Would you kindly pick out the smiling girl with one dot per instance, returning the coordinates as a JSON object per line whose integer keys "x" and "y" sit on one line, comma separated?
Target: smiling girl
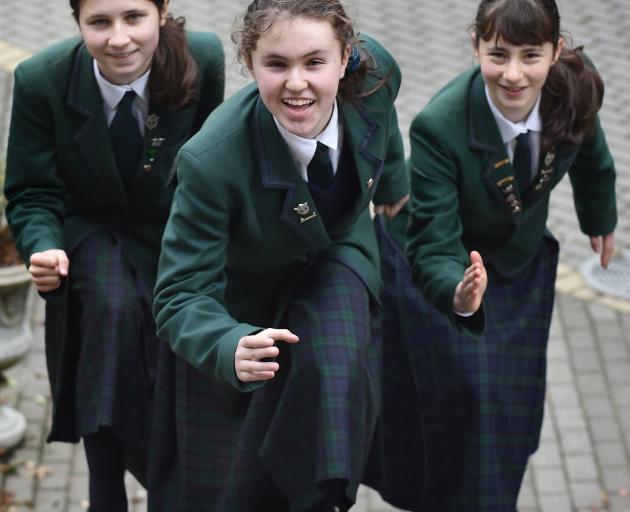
{"x": 268, "y": 274}
{"x": 470, "y": 350}
{"x": 95, "y": 127}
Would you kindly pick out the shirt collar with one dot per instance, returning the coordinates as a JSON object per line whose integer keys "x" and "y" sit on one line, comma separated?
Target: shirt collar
{"x": 510, "y": 130}
{"x": 303, "y": 149}
{"x": 112, "y": 93}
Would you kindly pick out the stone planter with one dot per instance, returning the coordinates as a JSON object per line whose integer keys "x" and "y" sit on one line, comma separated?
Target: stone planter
{"x": 17, "y": 302}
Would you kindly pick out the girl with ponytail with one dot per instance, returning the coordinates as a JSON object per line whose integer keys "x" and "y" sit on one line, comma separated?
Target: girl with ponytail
{"x": 96, "y": 124}
{"x": 467, "y": 312}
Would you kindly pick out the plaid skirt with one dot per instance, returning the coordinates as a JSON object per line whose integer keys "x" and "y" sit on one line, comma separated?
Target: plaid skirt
{"x": 117, "y": 345}
{"x": 277, "y": 448}
{"x": 461, "y": 415}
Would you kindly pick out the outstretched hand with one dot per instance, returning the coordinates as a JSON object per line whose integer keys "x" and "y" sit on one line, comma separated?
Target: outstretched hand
{"x": 47, "y": 268}
{"x": 604, "y": 245}
{"x": 471, "y": 288}
{"x": 251, "y": 349}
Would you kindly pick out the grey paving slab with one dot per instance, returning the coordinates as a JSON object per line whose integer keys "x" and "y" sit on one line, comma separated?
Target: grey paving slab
{"x": 583, "y": 460}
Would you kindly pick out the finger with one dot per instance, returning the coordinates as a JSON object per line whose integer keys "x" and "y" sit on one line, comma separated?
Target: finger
{"x": 43, "y": 259}
{"x": 258, "y": 366}
{"x": 281, "y": 335}
{"x": 64, "y": 263}
{"x": 595, "y": 243}
{"x": 252, "y": 377}
{"x": 608, "y": 250}
{"x": 36, "y": 271}
{"x": 256, "y": 341}
{"x": 475, "y": 258}
{"x": 47, "y": 287}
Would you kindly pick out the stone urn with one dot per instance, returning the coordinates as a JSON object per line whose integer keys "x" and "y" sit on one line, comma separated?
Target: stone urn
{"x": 17, "y": 302}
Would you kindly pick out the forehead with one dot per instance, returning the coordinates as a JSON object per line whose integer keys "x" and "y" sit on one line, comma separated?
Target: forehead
{"x": 500, "y": 42}
{"x": 294, "y": 36}
{"x": 109, "y": 7}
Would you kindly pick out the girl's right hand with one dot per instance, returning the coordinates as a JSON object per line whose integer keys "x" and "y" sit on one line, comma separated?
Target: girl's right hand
{"x": 470, "y": 290}
{"x": 251, "y": 349}
{"x": 47, "y": 268}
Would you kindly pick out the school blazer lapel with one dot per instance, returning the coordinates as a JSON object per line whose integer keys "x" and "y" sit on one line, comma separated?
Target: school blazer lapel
{"x": 92, "y": 139}
{"x": 277, "y": 171}
{"x": 484, "y": 137}
{"x": 364, "y": 134}
{"x": 165, "y": 132}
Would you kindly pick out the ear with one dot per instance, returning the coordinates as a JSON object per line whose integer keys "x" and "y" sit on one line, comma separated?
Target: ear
{"x": 474, "y": 43}
{"x": 164, "y": 12}
{"x": 249, "y": 66}
{"x": 558, "y": 50}
{"x": 345, "y": 55}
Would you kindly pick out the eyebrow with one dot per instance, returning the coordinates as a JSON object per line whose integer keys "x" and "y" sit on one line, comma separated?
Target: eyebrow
{"x": 306, "y": 55}
{"x": 105, "y": 15}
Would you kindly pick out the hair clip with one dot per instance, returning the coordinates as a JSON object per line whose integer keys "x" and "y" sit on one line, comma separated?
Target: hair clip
{"x": 354, "y": 60}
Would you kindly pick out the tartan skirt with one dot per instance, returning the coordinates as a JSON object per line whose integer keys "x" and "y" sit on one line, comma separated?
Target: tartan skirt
{"x": 461, "y": 414}
{"x": 117, "y": 342}
{"x": 279, "y": 447}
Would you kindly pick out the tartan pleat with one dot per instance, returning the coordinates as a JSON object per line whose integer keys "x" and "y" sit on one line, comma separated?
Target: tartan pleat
{"x": 275, "y": 448}
{"x": 117, "y": 340}
{"x": 461, "y": 414}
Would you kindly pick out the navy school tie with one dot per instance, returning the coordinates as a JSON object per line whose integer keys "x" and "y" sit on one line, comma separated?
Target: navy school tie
{"x": 319, "y": 170}
{"x": 522, "y": 163}
{"x": 126, "y": 139}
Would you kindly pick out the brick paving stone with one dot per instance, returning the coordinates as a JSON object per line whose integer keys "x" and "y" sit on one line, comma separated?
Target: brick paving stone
{"x": 555, "y": 503}
{"x": 550, "y": 480}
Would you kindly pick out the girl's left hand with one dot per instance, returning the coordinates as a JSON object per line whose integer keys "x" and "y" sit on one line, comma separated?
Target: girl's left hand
{"x": 391, "y": 209}
{"x": 605, "y": 245}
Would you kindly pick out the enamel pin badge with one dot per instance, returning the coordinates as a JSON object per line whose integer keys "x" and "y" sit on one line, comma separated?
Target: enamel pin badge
{"x": 152, "y": 121}
{"x": 304, "y": 212}
{"x": 545, "y": 174}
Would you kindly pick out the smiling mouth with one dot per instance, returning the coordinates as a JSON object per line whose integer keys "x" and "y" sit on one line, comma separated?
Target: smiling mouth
{"x": 512, "y": 90}
{"x": 122, "y": 56}
{"x": 298, "y": 103}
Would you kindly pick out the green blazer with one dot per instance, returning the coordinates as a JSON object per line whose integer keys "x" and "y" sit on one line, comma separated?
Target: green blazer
{"x": 62, "y": 183}
{"x": 465, "y": 196}
{"x": 61, "y": 177}
{"x": 243, "y": 227}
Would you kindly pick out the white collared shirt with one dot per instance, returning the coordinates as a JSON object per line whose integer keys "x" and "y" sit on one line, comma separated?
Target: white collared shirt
{"x": 112, "y": 94}
{"x": 302, "y": 150}
{"x": 509, "y": 131}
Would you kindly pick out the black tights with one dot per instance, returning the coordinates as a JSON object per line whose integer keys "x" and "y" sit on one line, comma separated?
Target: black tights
{"x": 105, "y": 456}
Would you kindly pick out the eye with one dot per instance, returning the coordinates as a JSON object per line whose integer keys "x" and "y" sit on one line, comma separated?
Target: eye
{"x": 134, "y": 17}
{"x": 315, "y": 62}
{"x": 275, "y": 64}
{"x": 496, "y": 54}
{"x": 98, "y": 22}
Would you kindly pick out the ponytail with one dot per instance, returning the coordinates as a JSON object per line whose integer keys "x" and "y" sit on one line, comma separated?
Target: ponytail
{"x": 572, "y": 96}
{"x": 173, "y": 78}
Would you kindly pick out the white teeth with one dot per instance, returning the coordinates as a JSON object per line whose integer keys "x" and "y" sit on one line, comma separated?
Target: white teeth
{"x": 297, "y": 102}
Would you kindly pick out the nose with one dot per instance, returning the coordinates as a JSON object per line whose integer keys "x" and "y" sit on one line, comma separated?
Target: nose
{"x": 513, "y": 71}
{"x": 119, "y": 35}
{"x": 296, "y": 80}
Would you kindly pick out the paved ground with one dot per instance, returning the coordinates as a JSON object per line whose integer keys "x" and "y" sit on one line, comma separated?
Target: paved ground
{"x": 584, "y": 460}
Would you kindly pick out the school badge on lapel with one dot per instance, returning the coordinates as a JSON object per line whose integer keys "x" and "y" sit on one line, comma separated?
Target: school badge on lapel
{"x": 547, "y": 170}
{"x": 152, "y": 121}
{"x": 304, "y": 212}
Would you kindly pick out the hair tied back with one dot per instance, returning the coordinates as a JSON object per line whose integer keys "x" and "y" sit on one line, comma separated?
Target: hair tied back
{"x": 354, "y": 60}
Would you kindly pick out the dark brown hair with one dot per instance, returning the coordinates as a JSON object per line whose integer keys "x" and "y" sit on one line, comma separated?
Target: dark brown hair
{"x": 261, "y": 14}
{"x": 573, "y": 92}
{"x": 173, "y": 78}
